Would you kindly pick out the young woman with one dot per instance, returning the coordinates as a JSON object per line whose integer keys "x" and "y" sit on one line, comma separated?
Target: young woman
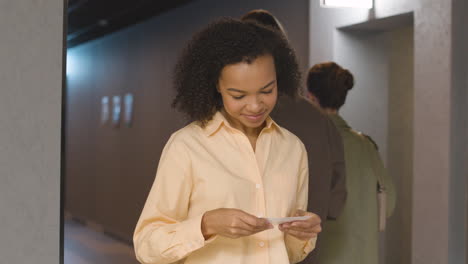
{"x": 221, "y": 176}
{"x": 354, "y": 237}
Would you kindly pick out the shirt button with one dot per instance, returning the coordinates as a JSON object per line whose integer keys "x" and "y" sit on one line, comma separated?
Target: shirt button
{"x": 261, "y": 244}
{"x": 258, "y": 185}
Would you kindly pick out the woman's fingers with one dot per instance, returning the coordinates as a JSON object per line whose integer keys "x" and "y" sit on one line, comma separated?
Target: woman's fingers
{"x": 304, "y": 226}
{"x": 257, "y": 223}
{"x": 232, "y": 223}
{"x": 246, "y": 225}
{"x": 237, "y": 232}
{"x": 313, "y": 218}
{"x": 300, "y": 212}
{"x": 253, "y": 223}
{"x": 305, "y": 229}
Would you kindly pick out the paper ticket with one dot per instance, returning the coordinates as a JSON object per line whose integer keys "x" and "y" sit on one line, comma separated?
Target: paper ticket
{"x": 280, "y": 220}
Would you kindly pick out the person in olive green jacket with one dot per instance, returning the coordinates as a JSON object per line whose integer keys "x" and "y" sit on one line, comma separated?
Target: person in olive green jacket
{"x": 354, "y": 237}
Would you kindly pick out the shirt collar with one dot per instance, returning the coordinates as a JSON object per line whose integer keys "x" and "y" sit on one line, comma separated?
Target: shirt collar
{"x": 218, "y": 121}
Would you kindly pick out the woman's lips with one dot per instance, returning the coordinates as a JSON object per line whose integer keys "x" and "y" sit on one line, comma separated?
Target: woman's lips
{"x": 255, "y": 118}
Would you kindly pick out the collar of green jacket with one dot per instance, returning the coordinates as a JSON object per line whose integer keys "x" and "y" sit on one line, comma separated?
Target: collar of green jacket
{"x": 338, "y": 121}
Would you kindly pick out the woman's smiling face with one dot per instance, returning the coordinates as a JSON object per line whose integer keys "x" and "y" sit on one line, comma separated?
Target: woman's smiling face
{"x": 249, "y": 91}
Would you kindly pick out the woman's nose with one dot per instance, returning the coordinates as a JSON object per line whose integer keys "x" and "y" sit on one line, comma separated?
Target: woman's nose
{"x": 254, "y": 105}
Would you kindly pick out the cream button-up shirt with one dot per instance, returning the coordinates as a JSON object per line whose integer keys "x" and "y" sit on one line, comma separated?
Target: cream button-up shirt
{"x": 202, "y": 169}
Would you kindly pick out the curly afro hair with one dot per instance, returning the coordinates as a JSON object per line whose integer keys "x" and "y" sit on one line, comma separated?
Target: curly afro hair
{"x": 224, "y": 42}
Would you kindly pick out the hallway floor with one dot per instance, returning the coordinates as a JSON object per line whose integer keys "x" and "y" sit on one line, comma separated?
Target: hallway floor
{"x": 86, "y": 246}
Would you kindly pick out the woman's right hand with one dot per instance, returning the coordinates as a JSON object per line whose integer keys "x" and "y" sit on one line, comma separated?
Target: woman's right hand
{"x": 232, "y": 223}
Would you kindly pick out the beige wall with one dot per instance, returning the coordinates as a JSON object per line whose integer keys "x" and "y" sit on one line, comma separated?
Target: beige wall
{"x": 366, "y": 55}
{"x": 400, "y": 142}
{"x": 30, "y": 116}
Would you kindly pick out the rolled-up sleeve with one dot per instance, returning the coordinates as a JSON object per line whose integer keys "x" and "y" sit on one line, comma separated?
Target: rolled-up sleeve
{"x": 299, "y": 249}
{"x": 164, "y": 233}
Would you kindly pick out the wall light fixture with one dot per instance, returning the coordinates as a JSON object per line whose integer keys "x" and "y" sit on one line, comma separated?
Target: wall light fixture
{"x": 347, "y": 3}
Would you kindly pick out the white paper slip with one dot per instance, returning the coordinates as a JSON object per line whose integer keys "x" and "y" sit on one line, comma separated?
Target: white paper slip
{"x": 280, "y": 220}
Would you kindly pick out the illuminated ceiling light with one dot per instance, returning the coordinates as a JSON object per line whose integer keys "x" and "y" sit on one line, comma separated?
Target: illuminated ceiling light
{"x": 348, "y": 3}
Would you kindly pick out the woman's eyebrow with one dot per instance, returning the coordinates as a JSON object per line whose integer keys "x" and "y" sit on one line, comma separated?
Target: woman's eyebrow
{"x": 235, "y": 90}
{"x": 268, "y": 85}
{"x": 241, "y": 91}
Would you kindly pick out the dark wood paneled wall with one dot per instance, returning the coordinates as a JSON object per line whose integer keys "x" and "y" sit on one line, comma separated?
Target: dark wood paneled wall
{"x": 110, "y": 170}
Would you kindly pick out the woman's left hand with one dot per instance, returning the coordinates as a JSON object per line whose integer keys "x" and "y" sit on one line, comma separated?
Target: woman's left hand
{"x": 304, "y": 229}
